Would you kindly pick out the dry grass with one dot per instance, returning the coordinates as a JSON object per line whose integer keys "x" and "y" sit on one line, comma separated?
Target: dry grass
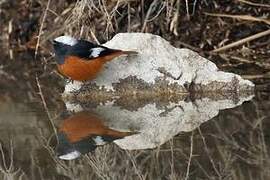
{"x": 8, "y": 171}
{"x": 205, "y": 27}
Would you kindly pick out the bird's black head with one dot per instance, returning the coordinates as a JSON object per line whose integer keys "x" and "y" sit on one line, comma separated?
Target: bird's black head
{"x": 65, "y": 150}
{"x": 61, "y": 47}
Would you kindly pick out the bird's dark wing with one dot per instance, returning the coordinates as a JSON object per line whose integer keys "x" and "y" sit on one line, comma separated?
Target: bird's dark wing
{"x": 87, "y": 50}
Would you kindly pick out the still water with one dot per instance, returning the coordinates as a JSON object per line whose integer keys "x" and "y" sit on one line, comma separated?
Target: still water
{"x": 198, "y": 139}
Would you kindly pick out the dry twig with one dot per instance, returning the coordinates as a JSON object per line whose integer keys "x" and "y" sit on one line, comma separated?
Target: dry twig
{"x": 175, "y": 20}
{"x": 241, "y": 17}
{"x": 41, "y": 26}
{"x": 208, "y": 154}
{"x": 187, "y": 9}
{"x": 254, "y": 4}
{"x": 138, "y": 172}
{"x": 190, "y": 156}
{"x": 152, "y": 7}
{"x": 242, "y": 41}
{"x": 255, "y": 76}
{"x": 46, "y": 107}
{"x": 9, "y": 171}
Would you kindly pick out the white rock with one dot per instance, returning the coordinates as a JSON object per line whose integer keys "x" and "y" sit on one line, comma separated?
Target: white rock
{"x": 155, "y": 59}
{"x": 158, "y": 123}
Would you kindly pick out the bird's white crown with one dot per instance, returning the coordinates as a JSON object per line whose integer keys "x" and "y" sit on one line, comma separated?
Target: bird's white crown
{"x": 67, "y": 40}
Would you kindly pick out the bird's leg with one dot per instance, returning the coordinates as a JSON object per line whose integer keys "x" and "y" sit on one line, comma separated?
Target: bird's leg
{"x": 73, "y": 86}
{"x": 69, "y": 80}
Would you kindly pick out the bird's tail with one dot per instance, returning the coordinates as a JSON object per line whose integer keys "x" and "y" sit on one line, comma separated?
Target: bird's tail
{"x": 115, "y": 53}
{"x": 118, "y": 134}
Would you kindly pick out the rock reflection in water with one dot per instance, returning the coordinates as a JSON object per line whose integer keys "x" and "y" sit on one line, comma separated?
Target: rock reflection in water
{"x": 157, "y": 122}
{"x": 83, "y": 132}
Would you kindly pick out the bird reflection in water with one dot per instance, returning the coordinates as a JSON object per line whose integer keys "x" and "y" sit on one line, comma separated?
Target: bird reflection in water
{"x": 84, "y": 132}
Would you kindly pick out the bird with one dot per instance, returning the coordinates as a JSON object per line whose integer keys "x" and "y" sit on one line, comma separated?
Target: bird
{"x": 83, "y": 132}
{"x": 81, "y": 60}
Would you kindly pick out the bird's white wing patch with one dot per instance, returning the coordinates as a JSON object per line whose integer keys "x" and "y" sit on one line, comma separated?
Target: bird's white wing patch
{"x": 99, "y": 141}
{"x": 70, "y": 156}
{"x": 95, "y": 52}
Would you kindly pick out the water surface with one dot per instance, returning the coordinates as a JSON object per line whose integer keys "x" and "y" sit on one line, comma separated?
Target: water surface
{"x": 113, "y": 142}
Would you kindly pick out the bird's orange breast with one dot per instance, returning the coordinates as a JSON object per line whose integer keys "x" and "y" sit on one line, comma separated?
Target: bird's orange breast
{"x": 79, "y": 69}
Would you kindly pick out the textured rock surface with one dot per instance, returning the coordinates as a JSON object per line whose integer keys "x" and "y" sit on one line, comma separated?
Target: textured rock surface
{"x": 158, "y": 68}
{"x": 157, "y": 122}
